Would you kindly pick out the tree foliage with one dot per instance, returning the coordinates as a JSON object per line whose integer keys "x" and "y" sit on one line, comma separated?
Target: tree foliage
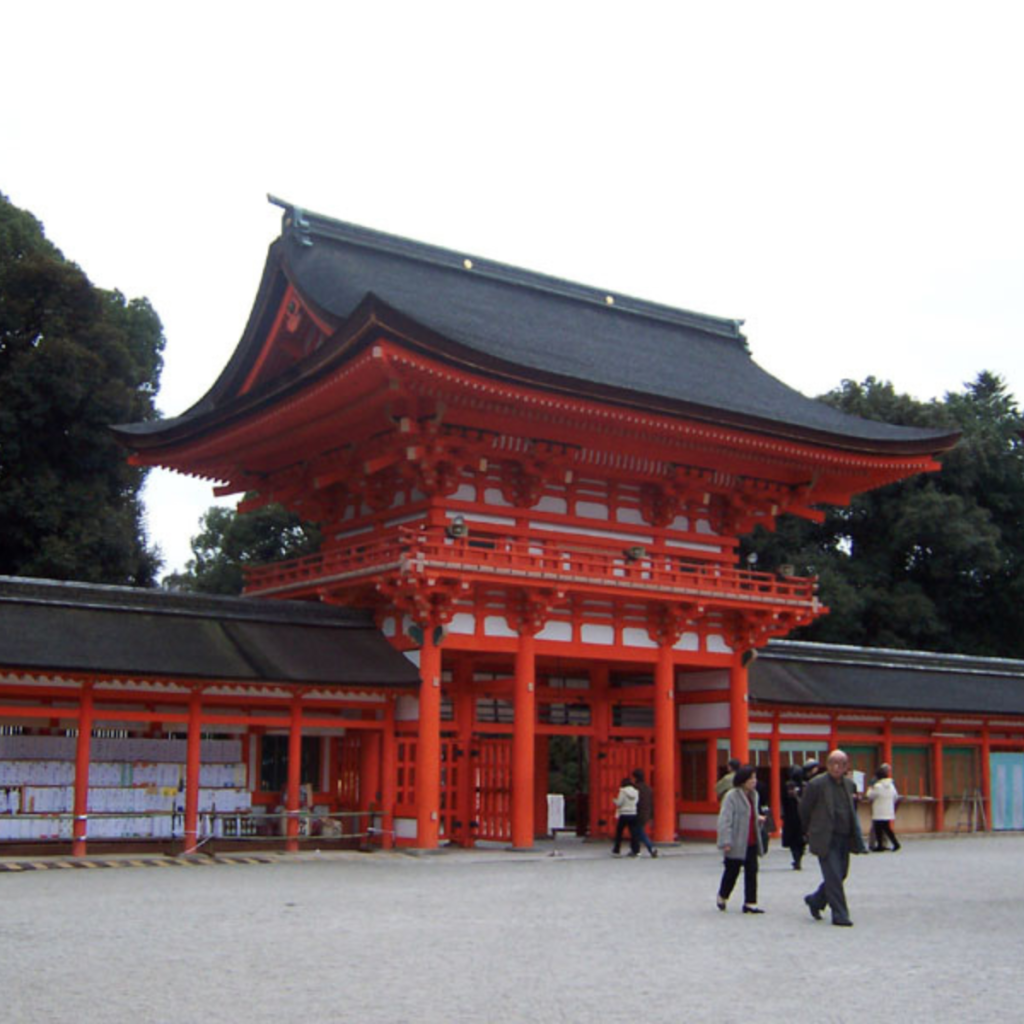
{"x": 73, "y": 360}
{"x": 934, "y": 562}
{"x": 228, "y": 542}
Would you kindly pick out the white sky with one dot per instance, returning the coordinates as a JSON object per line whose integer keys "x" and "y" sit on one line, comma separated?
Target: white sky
{"x": 845, "y": 178}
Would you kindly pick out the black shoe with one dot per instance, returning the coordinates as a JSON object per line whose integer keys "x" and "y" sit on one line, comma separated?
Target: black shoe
{"x": 748, "y": 909}
{"x": 720, "y": 902}
{"x": 896, "y": 847}
{"x": 815, "y": 912}
{"x": 842, "y": 924}
{"x": 654, "y": 853}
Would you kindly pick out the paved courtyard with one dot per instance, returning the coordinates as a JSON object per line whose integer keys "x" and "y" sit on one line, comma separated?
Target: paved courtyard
{"x": 488, "y": 936}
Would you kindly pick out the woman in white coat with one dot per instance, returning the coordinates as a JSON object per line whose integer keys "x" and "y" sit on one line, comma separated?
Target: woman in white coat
{"x": 883, "y": 796}
{"x": 739, "y": 839}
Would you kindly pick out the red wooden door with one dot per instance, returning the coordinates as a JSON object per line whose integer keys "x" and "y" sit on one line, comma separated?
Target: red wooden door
{"x": 615, "y": 760}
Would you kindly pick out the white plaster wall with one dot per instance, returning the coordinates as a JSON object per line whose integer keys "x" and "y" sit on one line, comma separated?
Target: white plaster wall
{"x": 703, "y": 716}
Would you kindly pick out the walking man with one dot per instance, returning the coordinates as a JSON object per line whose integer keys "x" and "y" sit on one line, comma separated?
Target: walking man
{"x": 644, "y": 811}
{"x": 829, "y": 818}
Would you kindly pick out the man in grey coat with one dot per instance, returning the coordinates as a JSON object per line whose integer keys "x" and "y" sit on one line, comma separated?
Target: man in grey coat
{"x": 829, "y": 818}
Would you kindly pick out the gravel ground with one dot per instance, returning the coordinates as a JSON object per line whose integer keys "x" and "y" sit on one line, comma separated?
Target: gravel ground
{"x": 488, "y": 936}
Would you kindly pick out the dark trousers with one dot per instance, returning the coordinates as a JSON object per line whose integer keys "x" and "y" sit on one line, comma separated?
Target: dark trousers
{"x": 623, "y": 822}
{"x": 880, "y": 830}
{"x": 834, "y": 869}
{"x": 732, "y": 872}
{"x": 641, "y": 836}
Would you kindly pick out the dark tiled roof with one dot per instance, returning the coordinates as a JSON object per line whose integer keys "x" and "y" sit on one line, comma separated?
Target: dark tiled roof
{"x": 510, "y": 322}
{"x": 76, "y": 627}
{"x": 826, "y": 675}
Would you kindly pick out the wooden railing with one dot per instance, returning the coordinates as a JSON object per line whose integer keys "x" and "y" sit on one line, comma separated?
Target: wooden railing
{"x": 539, "y": 561}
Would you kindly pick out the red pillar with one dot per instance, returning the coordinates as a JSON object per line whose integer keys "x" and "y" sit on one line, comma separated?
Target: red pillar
{"x": 775, "y": 783}
{"x": 428, "y": 746}
{"x": 600, "y": 722}
{"x": 82, "y": 745}
{"x": 739, "y": 729}
{"x": 887, "y": 741}
{"x": 294, "y": 776}
{"x": 665, "y": 728}
{"x": 369, "y": 776}
{"x": 192, "y": 769}
{"x": 389, "y": 772}
{"x": 986, "y": 778}
{"x": 523, "y": 736}
{"x": 938, "y": 787}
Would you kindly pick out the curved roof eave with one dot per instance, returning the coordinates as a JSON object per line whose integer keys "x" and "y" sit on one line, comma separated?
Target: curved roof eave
{"x": 521, "y": 326}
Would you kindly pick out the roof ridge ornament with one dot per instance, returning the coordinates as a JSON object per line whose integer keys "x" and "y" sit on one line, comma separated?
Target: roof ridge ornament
{"x": 295, "y": 218}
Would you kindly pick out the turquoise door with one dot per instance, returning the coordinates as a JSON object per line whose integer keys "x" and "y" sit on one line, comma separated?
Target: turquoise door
{"x": 1007, "y": 791}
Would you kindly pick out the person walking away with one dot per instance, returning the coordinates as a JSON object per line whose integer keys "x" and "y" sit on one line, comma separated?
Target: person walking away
{"x": 625, "y": 817}
{"x": 724, "y": 784}
{"x": 829, "y": 819}
{"x": 644, "y": 810}
{"x": 740, "y": 839}
{"x": 792, "y": 828}
{"x": 883, "y": 796}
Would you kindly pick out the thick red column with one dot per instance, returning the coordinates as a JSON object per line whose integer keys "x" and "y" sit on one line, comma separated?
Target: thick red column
{"x": 428, "y": 746}
{"x": 665, "y": 728}
{"x": 887, "y": 741}
{"x": 523, "y": 736}
{"x": 294, "y": 776}
{"x": 369, "y": 777}
{"x": 739, "y": 729}
{"x": 193, "y": 763}
{"x": 82, "y": 746}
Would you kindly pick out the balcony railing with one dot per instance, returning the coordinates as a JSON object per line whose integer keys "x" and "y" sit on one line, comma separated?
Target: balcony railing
{"x": 540, "y": 562}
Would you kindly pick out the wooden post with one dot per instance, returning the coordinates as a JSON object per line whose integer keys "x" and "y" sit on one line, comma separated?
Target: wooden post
{"x": 369, "y": 777}
{"x": 739, "y": 729}
{"x": 428, "y": 746}
{"x": 775, "y": 779}
{"x": 83, "y": 744}
{"x": 665, "y": 728}
{"x": 887, "y": 741}
{"x": 601, "y": 716}
{"x": 938, "y": 788}
{"x": 389, "y": 772}
{"x": 193, "y": 766}
{"x": 986, "y": 777}
{"x": 293, "y": 803}
{"x": 523, "y": 737}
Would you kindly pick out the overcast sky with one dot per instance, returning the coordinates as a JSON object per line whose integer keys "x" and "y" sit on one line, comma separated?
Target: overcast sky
{"x": 847, "y": 179}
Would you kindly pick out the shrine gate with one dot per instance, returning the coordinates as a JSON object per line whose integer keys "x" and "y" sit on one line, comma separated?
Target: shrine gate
{"x": 538, "y": 489}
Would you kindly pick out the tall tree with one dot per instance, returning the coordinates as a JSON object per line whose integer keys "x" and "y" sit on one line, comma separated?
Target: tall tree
{"x": 73, "y": 360}
{"x": 229, "y": 542}
{"x": 934, "y": 562}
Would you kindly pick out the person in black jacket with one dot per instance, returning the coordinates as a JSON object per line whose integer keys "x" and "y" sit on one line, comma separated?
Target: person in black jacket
{"x": 644, "y": 811}
{"x": 792, "y": 828}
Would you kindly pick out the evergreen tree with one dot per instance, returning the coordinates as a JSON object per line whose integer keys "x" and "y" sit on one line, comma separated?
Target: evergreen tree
{"x": 73, "y": 360}
{"x": 933, "y": 562}
{"x": 230, "y": 541}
